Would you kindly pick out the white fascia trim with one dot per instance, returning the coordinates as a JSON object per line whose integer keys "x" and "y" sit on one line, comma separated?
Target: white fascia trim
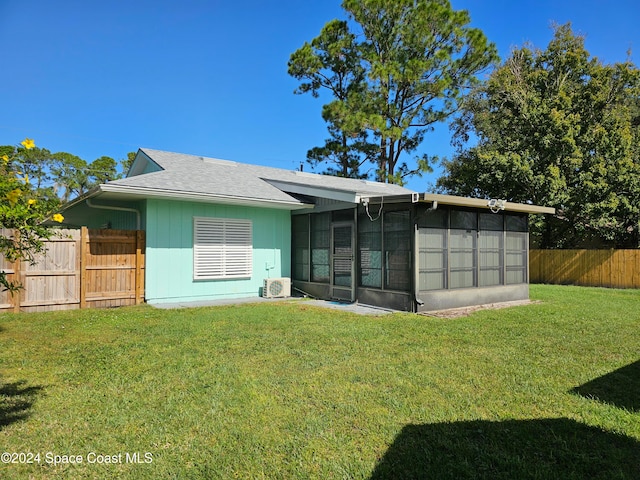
{"x": 202, "y": 197}
{"x": 482, "y": 203}
{"x": 90, "y": 194}
{"x": 340, "y": 195}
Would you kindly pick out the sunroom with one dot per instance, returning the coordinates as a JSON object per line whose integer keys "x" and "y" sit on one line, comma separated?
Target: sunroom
{"x": 414, "y": 252}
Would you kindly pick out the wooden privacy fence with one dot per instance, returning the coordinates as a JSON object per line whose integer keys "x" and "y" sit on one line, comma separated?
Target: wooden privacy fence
{"x": 593, "y": 268}
{"x": 80, "y": 269}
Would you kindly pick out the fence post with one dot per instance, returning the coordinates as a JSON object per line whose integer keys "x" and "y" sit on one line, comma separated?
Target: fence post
{"x": 16, "y": 296}
{"x": 139, "y": 260}
{"x": 17, "y": 274}
{"x": 77, "y": 268}
{"x": 84, "y": 242}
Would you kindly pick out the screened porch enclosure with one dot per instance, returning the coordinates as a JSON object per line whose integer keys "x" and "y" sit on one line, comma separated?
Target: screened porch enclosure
{"x": 411, "y": 256}
{"x": 349, "y": 256}
{"x": 467, "y": 257}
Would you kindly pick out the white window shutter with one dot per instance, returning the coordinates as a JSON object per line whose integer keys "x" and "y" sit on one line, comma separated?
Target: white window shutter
{"x": 223, "y": 248}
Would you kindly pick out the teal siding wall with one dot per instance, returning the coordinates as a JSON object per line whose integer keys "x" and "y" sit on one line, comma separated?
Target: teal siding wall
{"x": 169, "y": 251}
{"x": 82, "y": 215}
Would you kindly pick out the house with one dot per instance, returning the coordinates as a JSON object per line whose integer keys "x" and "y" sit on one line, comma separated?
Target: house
{"x": 216, "y": 229}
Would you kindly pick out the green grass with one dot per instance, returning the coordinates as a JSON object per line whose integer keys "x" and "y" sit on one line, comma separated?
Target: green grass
{"x": 287, "y": 390}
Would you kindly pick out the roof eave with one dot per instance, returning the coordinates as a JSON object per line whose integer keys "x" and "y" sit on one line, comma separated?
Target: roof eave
{"x": 315, "y": 191}
{"x": 146, "y": 192}
{"x": 344, "y": 195}
{"x": 90, "y": 194}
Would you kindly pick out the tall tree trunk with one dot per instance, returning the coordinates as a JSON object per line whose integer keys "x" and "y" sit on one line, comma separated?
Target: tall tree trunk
{"x": 391, "y": 163}
{"x": 344, "y": 156}
{"x": 382, "y": 165}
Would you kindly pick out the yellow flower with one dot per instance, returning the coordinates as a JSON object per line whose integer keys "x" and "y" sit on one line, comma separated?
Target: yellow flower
{"x": 31, "y": 201}
{"x": 28, "y": 143}
{"x": 13, "y": 196}
{"x": 5, "y": 158}
{"x": 57, "y": 218}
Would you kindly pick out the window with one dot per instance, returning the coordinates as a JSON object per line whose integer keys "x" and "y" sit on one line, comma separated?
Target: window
{"x": 320, "y": 241}
{"x": 516, "y": 257}
{"x": 433, "y": 248}
{"x": 300, "y": 228}
{"x": 397, "y": 250}
{"x": 463, "y": 244}
{"x": 491, "y": 249}
{"x": 222, "y": 248}
{"x": 370, "y": 252}
{"x": 434, "y": 218}
{"x": 384, "y": 251}
{"x": 433, "y": 258}
{"x": 461, "y": 248}
{"x": 464, "y": 220}
{"x": 516, "y": 223}
{"x": 517, "y": 239}
{"x": 492, "y": 221}
{"x": 491, "y": 255}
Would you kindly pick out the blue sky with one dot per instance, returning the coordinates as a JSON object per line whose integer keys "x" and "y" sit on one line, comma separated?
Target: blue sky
{"x": 209, "y": 78}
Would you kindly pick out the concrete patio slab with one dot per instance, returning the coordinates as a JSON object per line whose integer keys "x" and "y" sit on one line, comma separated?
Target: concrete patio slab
{"x": 347, "y": 307}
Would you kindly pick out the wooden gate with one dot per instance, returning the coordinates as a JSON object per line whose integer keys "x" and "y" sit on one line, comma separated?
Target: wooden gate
{"x": 79, "y": 269}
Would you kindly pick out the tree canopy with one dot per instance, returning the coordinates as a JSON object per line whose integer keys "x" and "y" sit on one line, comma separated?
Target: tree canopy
{"x": 23, "y": 207}
{"x": 556, "y": 127}
{"x": 64, "y": 174}
{"x": 33, "y": 184}
{"x": 394, "y": 70}
{"x": 127, "y": 162}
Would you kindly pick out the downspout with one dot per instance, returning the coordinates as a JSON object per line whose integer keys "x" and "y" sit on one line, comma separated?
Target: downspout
{"x": 416, "y": 268}
{"x": 120, "y": 209}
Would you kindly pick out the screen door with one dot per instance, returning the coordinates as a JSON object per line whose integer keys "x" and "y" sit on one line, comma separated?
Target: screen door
{"x": 342, "y": 243}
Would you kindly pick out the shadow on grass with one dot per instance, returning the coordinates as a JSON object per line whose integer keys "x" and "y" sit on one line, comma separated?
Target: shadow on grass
{"x": 522, "y": 449}
{"x": 15, "y": 402}
{"x": 620, "y": 388}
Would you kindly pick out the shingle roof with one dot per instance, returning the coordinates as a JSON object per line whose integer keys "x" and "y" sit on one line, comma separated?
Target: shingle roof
{"x": 192, "y": 174}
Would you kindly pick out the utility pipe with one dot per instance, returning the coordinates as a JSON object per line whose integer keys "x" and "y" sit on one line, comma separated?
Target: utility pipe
{"x": 90, "y": 204}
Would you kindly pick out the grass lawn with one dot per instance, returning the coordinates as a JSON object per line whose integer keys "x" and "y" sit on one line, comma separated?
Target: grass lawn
{"x": 286, "y": 390}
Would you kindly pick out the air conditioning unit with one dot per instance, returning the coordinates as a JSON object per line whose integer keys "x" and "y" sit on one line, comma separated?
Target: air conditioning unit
{"x": 276, "y": 287}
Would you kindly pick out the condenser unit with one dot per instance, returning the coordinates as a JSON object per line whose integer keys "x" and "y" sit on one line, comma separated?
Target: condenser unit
{"x": 276, "y": 287}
